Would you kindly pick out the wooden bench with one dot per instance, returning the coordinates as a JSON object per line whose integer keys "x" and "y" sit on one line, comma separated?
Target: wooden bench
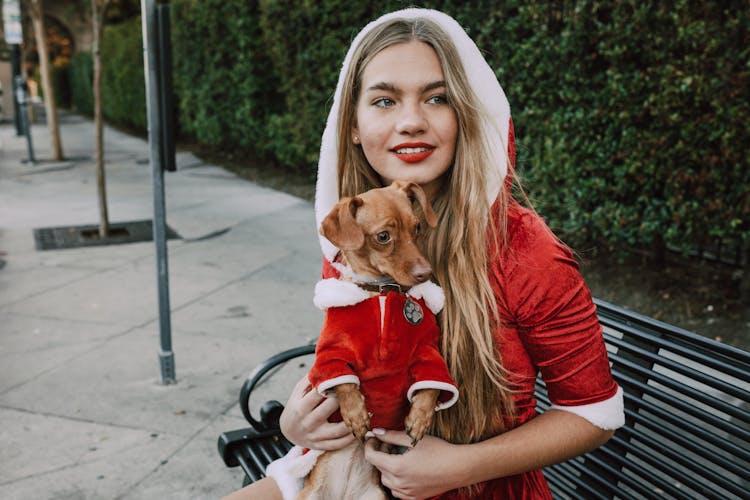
{"x": 687, "y": 409}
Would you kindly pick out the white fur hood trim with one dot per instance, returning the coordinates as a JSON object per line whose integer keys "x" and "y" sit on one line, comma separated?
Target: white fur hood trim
{"x": 495, "y": 124}
{"x": 333, "y": 292}
{"x": 432, "y": 294}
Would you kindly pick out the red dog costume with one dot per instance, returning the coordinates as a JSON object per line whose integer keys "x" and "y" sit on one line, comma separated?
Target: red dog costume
{"x": 368, "y": 341}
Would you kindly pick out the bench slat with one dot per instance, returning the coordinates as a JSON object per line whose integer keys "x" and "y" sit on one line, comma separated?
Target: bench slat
{"x": 694, "y": 372}
{"x": 682, "y": 404}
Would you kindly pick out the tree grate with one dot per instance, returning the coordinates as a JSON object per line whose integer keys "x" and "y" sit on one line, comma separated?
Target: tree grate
{"x": 58, "y": 238}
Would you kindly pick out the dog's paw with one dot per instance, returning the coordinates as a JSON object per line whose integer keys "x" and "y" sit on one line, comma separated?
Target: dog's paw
{"x": 420, "y": 415}
{"x": 417, "y": 427}
{"x": 354, "y": 413}
{"x": 358, "y": 422}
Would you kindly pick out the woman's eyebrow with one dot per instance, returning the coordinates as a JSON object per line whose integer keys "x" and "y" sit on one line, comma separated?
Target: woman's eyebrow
{"x": 434, "y": 85}
{"x": 389, "y": 87}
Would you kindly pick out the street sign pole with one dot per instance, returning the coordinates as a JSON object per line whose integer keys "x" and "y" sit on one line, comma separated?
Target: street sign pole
{"x": 155, "y": 139}
{"x": 14, "y": 38}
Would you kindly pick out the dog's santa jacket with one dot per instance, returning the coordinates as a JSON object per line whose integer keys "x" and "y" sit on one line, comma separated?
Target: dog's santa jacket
{"x": 548, "y": 322}
{"x": 367, "y": 340}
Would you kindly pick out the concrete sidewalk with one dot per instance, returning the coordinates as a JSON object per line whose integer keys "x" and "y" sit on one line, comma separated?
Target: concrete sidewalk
{"x": 83, "y": 414}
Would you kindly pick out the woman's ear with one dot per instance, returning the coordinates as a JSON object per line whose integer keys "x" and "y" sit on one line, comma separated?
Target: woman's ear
{"x": 355, "y": 136}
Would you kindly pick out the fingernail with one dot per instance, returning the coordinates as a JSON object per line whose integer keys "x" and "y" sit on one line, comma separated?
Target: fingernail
{"x": 378, "y": 431}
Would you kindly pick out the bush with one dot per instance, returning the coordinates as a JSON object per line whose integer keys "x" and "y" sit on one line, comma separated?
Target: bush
{"x": 61, "y": 84}
{"x": 225, "y": 90}
{"x": 123, "y": 83}
{"x": 81, "y": 73}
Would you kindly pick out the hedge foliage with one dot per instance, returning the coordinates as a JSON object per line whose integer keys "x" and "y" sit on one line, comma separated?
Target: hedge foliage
{"x": 81, "y": 75}
{"x": 225, "y": 88}
{"x": 632, "y": 118}
{"x": 123, "y": 86}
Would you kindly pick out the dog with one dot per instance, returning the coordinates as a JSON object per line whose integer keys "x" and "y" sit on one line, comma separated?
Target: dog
{"x": 378, "y": 351}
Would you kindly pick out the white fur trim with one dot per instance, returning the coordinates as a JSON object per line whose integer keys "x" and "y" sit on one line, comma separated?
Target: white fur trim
{"x": 608, "y": 414}
{"x": 332, "y": 292}
{"x": 290, "y": 471}
{"x": 434, "y": 384}
{"x": 482, "y": 79}
{"x": 432, "y": 294}
{"x": 325, "y": 388}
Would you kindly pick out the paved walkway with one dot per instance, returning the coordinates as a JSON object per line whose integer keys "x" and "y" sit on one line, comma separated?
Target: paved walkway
{"x": 83, "y": 414}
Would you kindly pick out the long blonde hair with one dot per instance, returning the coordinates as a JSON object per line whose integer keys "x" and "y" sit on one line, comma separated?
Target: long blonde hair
{"x": 458, "y": 248}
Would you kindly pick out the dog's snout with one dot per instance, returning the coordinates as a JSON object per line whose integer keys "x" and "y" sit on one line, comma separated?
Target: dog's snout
{"x": 421, "y": 272}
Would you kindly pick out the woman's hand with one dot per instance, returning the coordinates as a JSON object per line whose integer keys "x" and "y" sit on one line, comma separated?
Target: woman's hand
{"x": 304, "y": 421}
{"x": 426, "y": 470}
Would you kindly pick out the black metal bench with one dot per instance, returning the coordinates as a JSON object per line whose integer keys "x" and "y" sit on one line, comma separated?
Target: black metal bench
{"x": 687, "y": 406}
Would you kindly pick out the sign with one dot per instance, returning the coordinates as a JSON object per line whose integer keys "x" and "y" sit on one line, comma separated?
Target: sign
{"x": 12, "y": 22}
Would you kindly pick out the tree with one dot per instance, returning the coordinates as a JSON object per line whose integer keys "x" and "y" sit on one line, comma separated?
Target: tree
{"x": 98, "y": 8}
{"x": 50, "y": 106}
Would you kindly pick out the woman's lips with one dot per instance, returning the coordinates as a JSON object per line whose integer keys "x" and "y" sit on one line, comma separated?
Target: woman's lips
{"x": 413, "y": 153}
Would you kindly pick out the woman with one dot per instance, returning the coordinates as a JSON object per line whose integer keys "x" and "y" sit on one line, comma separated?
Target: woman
{"x": 416, "y": 101}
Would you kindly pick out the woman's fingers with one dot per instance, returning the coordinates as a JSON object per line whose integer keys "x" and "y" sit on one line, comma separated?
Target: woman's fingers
{"x": 305, "y": 420}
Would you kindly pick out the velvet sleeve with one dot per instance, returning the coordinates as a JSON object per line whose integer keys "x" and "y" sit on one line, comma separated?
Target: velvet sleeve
{"x": 333, "y": 358}
{"x": 543, "y": 294}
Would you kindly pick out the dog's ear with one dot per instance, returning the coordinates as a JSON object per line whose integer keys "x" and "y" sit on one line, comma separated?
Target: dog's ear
{"x": 415, "y": 192}
{"x": 340, "y": 225}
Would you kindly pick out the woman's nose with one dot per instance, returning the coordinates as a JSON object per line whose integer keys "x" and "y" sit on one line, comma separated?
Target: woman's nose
{"x": 411, "y": 120}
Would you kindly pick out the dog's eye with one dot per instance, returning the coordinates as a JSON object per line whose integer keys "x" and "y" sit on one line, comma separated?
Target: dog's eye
{"x": 383, "y": 237}
{"x": 418, "y": 229}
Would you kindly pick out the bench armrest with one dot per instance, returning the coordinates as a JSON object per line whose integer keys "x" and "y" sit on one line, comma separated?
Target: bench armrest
{"x": 271, "y": 410}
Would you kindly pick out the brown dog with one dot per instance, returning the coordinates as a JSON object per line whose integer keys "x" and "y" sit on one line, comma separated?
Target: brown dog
{"x": 377, "y": 233}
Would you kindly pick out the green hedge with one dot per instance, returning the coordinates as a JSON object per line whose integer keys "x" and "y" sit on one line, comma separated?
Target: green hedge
{"x": 123, "y": 86}
{"x": 81, "y": 73}
{"x": 226, "y": 90}
{"x": 632, "y": 118}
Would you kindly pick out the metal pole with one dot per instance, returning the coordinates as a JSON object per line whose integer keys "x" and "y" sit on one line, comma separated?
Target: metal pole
{"x": 15, "y": 64}
{"x": 22, "y": 100}
{"x": 150, "y": 62}
{"x": 13, "y": 32}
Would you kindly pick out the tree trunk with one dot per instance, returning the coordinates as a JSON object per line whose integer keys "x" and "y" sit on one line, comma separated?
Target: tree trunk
{"x": 50, "y": 107}
{"x": 98, "y": 20}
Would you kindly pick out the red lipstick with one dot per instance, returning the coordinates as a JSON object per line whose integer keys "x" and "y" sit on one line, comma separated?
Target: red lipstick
{"x": 413, "y": 152}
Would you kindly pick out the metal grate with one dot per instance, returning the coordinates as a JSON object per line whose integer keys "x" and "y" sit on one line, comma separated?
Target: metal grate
{"x": 58, "y": 238}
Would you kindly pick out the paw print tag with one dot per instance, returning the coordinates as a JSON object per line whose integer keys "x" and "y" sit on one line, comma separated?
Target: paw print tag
{"x": 413, "y": 312}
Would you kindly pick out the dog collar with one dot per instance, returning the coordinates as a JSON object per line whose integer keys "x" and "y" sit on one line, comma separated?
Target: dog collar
{"x": 380, "y": 287}
{"x": 384, "y": 284}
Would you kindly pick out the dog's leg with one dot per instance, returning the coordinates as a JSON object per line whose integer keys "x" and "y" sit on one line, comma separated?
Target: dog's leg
{"x": 353, "y": 409}
{"x": 420, "y": 415}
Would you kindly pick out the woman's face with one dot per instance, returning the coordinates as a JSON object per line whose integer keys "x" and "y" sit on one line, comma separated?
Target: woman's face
{"x": 404, "y": 123}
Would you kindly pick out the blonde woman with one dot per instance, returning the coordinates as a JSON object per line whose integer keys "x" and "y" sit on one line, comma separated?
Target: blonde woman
{"x": 416, "y": 101}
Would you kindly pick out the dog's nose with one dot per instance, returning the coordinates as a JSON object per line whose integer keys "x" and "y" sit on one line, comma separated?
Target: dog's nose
{"x": 421, "y": 272}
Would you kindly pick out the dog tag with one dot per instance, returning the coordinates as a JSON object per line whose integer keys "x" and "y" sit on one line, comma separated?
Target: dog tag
{"x": 413, "y": 312}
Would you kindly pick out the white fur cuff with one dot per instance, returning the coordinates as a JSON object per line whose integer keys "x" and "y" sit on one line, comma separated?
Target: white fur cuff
{"x": 608, "y": 414}
{"x": 434, "y": 384}
{"x": 325, "y": 388}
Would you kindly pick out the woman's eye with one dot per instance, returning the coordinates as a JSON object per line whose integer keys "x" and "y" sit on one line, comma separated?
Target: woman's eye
{"x": 383, "y": 102}
{"x": 383, "y": 237}
{"x": 438, "y": 99}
